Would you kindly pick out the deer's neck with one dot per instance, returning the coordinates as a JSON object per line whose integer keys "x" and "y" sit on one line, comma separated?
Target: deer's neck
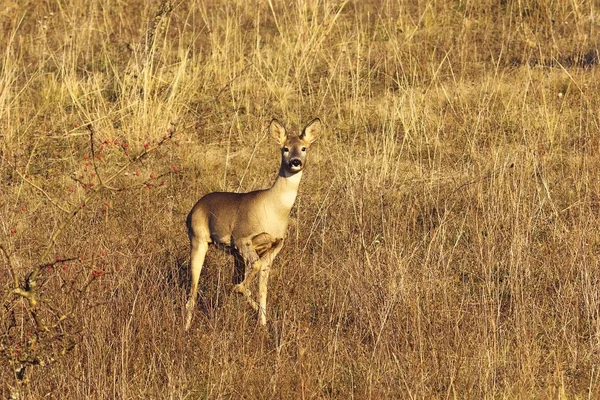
{"x": 285, "y": 189}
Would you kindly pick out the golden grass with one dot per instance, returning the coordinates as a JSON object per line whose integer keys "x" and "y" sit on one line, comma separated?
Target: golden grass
{"x": 446, "y": 242}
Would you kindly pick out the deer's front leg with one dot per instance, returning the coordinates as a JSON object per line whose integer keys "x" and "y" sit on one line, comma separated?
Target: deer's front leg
{"x": 251, "y": 269}
{"x": 257, "y": 254}
{"x": 263, "y": 278}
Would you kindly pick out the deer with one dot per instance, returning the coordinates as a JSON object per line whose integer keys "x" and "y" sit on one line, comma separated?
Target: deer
{"x": 253, "y": 225}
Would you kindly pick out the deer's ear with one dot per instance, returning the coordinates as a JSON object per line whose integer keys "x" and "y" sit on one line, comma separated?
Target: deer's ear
{"x": 278, "y": 132}
{"x": 311, "y": 130}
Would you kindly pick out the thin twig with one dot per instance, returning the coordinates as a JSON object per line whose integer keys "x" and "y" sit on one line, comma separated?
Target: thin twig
{"x": 92, "y": 149}
{"x": 25, "y": 179}
{"x": 11, "y": 268}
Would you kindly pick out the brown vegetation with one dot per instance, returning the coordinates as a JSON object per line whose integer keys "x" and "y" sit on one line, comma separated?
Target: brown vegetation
{"x": 445, "y": 243}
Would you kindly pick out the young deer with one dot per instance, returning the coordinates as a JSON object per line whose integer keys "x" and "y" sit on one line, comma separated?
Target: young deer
{"x": 252, "y": 225}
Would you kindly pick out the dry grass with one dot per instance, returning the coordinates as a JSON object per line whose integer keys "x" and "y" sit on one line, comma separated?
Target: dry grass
{"x": 446, "y": 243}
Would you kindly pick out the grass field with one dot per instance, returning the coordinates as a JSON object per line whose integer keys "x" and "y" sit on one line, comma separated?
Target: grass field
{"x": 445, "y": 240}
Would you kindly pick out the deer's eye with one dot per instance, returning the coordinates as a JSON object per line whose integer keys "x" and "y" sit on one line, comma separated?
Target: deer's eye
{"x": 285, "y": 150}
{"x": 303, "y": 148}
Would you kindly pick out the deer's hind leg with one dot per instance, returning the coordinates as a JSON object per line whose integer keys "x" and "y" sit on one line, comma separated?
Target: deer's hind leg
{"x": 197, "y": 254}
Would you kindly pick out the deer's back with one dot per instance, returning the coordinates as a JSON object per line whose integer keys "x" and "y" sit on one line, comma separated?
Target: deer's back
{"x": 227, "y": 218}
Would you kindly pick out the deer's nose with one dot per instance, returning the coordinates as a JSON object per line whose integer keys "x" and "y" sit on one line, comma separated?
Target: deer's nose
{"x": 295, "y": 162}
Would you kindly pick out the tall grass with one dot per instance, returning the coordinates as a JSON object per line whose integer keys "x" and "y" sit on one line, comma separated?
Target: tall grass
{"x": 445, "y": 242}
